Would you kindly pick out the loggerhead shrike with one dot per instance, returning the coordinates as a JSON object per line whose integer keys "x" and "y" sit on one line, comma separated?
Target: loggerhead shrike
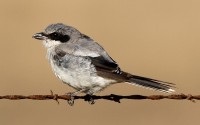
{"x": 83, "y": 64}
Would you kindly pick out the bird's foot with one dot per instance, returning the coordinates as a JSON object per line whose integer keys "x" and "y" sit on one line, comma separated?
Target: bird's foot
{"x": 71, "y": 100}
{"x": 90, "y": 100}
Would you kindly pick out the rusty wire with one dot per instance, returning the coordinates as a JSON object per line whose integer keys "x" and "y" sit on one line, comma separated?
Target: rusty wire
{"x": 112, "y": 97}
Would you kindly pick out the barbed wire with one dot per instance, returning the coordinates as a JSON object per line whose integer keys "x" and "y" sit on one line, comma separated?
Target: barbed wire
{"x": 111, "y": 97}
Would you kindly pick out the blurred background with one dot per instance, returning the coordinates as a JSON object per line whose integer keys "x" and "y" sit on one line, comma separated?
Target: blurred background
{"x": 152, "y": 38}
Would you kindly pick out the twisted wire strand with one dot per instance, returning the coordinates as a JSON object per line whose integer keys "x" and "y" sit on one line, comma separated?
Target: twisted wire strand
{"x": 111, "y": 97}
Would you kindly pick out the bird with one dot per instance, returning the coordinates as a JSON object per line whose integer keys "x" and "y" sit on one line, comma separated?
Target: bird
{"x": 80, "y": 62}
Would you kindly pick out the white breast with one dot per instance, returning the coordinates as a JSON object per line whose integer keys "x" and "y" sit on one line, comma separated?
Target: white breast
{"x": 79, "y": 73}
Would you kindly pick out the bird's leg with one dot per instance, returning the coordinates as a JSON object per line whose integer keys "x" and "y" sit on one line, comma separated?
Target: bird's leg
{"x": 71, "y": 100}
{"x": 89, "y": 98}
{"x": 72, "y": 94}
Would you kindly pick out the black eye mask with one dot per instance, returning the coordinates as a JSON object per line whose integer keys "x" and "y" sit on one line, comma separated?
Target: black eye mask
{"x": 59, "y": 37}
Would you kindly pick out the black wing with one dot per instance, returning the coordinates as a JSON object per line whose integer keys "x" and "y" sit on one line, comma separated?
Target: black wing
{"x": 107, "y": 68}
{"x": 101, "y": 62}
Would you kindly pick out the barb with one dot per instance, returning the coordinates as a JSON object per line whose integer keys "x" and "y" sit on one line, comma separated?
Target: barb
{"x": 112, "y": 97}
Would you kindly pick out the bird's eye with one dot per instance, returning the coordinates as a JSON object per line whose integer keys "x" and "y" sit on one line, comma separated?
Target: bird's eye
{"x": 59, "y": 37}
{"x": 54, "y": 36}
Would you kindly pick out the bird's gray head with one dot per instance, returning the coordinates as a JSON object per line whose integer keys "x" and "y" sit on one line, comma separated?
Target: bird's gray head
{"x": 56, "y": 34}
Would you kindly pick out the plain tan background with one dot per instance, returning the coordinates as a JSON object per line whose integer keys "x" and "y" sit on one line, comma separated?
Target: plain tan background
{"x": 153, "y": 38}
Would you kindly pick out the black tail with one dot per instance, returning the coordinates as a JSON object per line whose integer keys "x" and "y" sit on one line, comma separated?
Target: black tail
{"x": 150, "y": 83}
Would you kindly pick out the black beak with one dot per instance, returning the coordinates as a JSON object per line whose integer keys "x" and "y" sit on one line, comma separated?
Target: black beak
{"x": 40, "y": 36}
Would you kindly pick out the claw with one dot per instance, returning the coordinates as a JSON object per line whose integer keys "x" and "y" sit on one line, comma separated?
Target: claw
{"x": 89, "y": 99}
{"x": 72, "y": 94}
{"x": 71, "y": 100}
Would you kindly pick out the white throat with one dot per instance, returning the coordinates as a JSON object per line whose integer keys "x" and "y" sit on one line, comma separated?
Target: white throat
{"x": 50, "y": 43}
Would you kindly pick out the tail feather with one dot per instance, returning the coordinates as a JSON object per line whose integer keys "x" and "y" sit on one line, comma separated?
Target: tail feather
{"x": 151, "y": 83}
